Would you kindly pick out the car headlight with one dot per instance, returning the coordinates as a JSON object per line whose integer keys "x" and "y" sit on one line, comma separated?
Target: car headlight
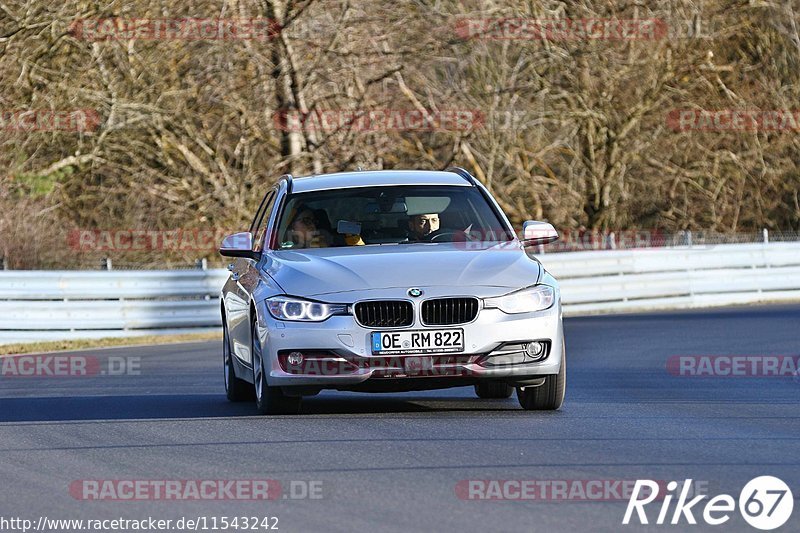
{"x": 296, "y": 309}
{"x": 527, "y": 300}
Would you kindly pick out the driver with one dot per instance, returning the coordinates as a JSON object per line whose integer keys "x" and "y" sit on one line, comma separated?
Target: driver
{"x": 423, "y": 227}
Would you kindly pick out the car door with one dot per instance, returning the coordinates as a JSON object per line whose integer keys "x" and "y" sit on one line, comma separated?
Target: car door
{"x": 243, "y": 281}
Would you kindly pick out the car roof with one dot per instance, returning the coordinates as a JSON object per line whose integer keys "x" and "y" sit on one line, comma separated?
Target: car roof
{"x": 377, "y": 178}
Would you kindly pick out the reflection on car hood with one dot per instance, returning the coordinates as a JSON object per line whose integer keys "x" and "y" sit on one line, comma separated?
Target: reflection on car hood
{"x": 315, "y": 272}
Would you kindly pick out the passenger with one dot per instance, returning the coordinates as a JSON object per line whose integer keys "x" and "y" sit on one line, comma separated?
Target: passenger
{"x": 306, "y": 231}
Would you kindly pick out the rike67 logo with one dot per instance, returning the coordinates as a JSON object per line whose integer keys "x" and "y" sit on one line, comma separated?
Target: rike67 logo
{"x": 765, "y": 503}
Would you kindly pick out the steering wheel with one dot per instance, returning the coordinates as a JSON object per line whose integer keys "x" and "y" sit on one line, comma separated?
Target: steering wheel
{"x": 467, "y": 236}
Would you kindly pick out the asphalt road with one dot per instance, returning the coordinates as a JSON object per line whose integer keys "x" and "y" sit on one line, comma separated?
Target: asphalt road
{"x": 393, "y": 462}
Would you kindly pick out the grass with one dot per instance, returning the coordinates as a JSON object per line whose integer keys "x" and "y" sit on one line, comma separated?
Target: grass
{"x": 55, "y": 346}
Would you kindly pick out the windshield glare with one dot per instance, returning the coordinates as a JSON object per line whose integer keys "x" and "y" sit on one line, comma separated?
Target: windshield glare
{"x": 387, "y": 215}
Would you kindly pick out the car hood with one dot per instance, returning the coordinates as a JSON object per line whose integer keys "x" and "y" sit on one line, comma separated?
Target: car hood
{"x": 315, "y": 272}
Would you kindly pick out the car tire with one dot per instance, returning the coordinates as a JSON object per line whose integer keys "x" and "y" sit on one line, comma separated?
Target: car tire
{"x": 493, "y": 390}
{"x": 548, "y": 396}
{"x": 269, "y": 400}
{"x": 236, "y": 389}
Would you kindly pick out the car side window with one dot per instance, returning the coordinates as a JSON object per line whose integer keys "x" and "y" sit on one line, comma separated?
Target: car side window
{"x": 260, "y": 211}
{"x": 261, "y": 228}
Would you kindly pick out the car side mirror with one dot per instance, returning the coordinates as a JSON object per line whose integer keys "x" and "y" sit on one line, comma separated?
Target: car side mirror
{"x": 239, "y": 245}
{"x": 535, "y": 232}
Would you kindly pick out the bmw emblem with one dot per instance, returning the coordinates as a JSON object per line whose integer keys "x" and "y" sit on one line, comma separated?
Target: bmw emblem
{"x": 415, "y": 292}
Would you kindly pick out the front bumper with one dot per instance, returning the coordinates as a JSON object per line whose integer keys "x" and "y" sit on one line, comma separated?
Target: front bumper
{"x": 343, "y": 338}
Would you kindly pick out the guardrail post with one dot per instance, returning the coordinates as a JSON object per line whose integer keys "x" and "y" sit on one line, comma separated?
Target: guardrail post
{"x": 202, "y": 264}
{"x": 689, "y": 238}
{"x": 105, "y": 263}
{"x": 765, "y": 232}
{"x": 4, "y": 263}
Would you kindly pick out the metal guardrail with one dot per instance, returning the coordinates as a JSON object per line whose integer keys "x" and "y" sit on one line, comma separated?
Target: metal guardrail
{"x": 48, "y": 305}
{"x": 64, "y": 304}
{"x": 111, "y": 284}
{"x": 676, "y": 278}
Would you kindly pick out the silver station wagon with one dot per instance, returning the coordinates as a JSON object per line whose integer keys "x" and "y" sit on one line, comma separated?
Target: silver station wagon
{"x": 388, "y": 281}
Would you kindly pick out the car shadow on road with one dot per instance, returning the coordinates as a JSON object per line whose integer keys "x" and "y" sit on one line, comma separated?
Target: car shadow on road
{"x": 187, "y": 406}
{"x": 371, "y": 404}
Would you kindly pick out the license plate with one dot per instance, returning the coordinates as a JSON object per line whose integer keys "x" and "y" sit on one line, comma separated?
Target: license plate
{"x": 418, "y": 342}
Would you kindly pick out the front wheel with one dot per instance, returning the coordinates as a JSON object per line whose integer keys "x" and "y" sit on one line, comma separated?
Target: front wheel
{"x": 269, "y": 400}
{"x": 548, "y": 396}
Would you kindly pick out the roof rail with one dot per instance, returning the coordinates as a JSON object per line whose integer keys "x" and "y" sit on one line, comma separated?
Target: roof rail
{"x": 463, "y": 173}
{"x": 288, "y": 178}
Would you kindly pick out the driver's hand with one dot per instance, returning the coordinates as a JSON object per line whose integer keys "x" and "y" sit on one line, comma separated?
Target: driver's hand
{"x": 460, "y": 236}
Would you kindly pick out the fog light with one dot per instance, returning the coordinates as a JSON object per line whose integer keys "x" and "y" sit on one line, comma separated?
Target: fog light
{"x": 534, "y": 349}
{"x": 295, "y": 358}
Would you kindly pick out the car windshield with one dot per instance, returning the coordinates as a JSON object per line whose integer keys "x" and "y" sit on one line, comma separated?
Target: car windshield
{"x": 387, "y": 215}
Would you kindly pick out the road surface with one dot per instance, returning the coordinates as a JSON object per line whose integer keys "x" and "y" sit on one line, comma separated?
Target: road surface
{"x": 399, "y": 462}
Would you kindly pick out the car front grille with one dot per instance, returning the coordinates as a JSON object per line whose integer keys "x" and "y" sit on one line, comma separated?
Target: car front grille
{"x": 385, "y": 313}
{"x": 449, "y": 311}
